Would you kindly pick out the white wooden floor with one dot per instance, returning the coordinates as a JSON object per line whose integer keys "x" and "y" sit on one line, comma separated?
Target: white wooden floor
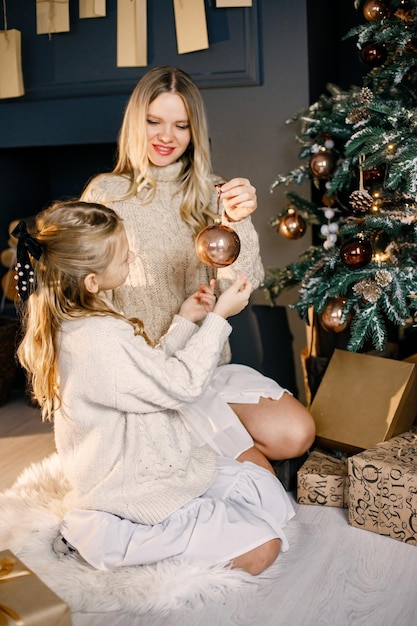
{"x": 333, "y": 574}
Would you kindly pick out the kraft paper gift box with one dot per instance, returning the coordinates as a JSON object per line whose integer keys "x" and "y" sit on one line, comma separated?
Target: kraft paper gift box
{"x": 383, "y": 488}
{"x": 363, "y": 400}
{"x": 322, "y": 480}
{"x": 25, "y": 599}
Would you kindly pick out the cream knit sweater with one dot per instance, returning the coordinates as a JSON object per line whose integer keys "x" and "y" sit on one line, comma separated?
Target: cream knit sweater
{"x": 119, "y": 434}
{"x": 166, "y": 269}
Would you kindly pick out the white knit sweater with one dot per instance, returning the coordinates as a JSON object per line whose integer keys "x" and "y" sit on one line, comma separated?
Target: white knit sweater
{"x": 166, "y": 269}
{"x": 119, "y": 434}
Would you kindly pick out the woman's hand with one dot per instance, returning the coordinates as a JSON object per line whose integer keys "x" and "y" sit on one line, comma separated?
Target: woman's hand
{"x": 196, "y": 306}
{"x": 239, "y": 199}
{"x": 234, "y": 299}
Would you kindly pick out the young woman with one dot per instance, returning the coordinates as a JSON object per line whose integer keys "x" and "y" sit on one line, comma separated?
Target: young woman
{"x": 164, "y": 188}
{"x": 140, "y": 490}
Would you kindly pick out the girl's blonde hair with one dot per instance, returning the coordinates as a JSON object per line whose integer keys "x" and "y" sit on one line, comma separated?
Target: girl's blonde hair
{"x": 77, "y": 239}
{"x": 196, "y": 178}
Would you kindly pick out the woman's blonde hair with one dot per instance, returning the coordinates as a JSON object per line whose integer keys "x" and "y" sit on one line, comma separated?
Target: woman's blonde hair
{"x": 195, "y": 180}
{"x": 77, "y": 239}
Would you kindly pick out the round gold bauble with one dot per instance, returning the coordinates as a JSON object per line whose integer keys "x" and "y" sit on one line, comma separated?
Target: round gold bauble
{"x": 331, "y": 318}
{"x": 292, "y": 225}
{"x": 217, "y": 245}
{"x": 323, "y": 163}
{"x": 375, "y": 10}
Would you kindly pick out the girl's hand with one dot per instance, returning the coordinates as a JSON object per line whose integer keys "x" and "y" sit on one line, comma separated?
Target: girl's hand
{"x": 235, "y": 298}
{"x": 239, "y": 199}
{"x": 196, "y": 306}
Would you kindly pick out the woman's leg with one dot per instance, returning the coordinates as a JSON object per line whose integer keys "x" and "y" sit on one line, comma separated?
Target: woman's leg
{"x": 259, "y": 559}
{"x": 280, "y": 429}
{"x": 256, "y": 456}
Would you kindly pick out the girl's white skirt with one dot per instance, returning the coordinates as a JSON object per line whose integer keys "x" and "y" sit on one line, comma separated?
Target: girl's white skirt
{"x": 210, "y": 420}
{"x": 245, "y": 507}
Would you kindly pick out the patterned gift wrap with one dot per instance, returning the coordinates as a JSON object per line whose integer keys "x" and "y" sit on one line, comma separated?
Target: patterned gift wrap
{"x": 383, "y": 488}
{"x": 322, "y": 480}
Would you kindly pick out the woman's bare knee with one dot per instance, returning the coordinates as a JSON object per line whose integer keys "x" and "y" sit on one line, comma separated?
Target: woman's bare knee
{"x": 259, "y": 559}
{"x": 256, "y": 456}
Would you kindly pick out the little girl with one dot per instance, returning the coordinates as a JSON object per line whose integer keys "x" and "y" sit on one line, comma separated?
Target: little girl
{"x": 140, "y": 490}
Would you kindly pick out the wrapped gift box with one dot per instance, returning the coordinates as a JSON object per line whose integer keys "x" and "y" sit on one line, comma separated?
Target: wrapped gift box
{"x": 383, "y": 488}
{"x": 25, "y": 599}
{"x": 322, "y": 480}
{"x": 364, "y": 400}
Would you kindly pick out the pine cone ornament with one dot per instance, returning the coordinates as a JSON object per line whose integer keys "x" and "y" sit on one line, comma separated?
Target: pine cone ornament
{"x": 356, "y": 115}
{"x": 366, "y": 96}
{"x": 360, "y": 201}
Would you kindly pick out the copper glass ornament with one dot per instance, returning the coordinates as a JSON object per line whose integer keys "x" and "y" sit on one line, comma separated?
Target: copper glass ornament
{"x": 217, "y": 245}
{"x": 331, "y": 318}
{"x": 356, "y": 253}
{"x": 373, "y": 54}
{"x": 292, "y": 225}
{"x": 323, "y": 164}
{"x": 375, "y": 10}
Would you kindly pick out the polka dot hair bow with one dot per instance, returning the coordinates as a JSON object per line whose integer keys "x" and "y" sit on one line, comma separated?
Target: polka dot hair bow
{"x": 26, "y": 244}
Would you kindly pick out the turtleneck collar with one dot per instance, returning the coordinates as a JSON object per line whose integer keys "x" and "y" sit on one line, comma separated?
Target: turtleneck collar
{"x": 167, "y": 173}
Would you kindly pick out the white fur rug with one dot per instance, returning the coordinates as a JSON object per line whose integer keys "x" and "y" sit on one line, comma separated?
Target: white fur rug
{"x": 30, "y": 512}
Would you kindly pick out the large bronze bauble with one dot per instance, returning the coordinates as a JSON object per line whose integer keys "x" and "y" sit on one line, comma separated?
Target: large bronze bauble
{"x": 356, "y": 253}
{"x": 373, "y": 54}
{"x": 292, "y": 225}
{"x": 323, "y": 163}
{"x": 375, "y": 10}
{"x": 217, "y": 245}
{"x": 331, "y": 318}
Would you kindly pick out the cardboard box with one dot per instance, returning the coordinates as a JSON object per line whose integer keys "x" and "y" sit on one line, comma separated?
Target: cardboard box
{"x": 383, "y": 488}
{"x": 322, "y": 480}
{"x": 364, "y": 400}
{"x": 25, "y": 599}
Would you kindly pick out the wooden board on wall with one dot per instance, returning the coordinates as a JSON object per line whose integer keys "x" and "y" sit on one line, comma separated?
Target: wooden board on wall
{"x": 82, "y": 62}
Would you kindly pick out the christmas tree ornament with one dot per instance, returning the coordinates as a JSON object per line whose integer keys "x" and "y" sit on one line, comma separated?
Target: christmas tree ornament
{"x": 217, "y": 245}
{"x": 331, "y": 319}
{"x": 361, "y": 200}
{"x": 357, "y": 115}
{"x": 365, "y": 95}
{"x": 356, "y": 252}
{"x": 368, "y": 289}
{"x": 374, "y": 175}
{"x": 292, "y": 225}
{"x": 375, "y": 10}
{"x": 323, "y": 163}
{"x": 405, "y": 12}
{"x": 373, "y": 54}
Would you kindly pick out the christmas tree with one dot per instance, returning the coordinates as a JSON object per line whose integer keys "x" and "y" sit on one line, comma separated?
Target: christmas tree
{"x": 359, "y": 151}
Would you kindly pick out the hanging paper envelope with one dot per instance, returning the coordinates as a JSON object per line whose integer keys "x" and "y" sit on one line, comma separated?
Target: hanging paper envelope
{"x": 131, "y": 33}
{"x": 52, "y": 16}
{"x": 92, "y": 8}
{"x": 11, "y": 79}
{"x": 190, "y": 25}
{"x": 233, "y": 3}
